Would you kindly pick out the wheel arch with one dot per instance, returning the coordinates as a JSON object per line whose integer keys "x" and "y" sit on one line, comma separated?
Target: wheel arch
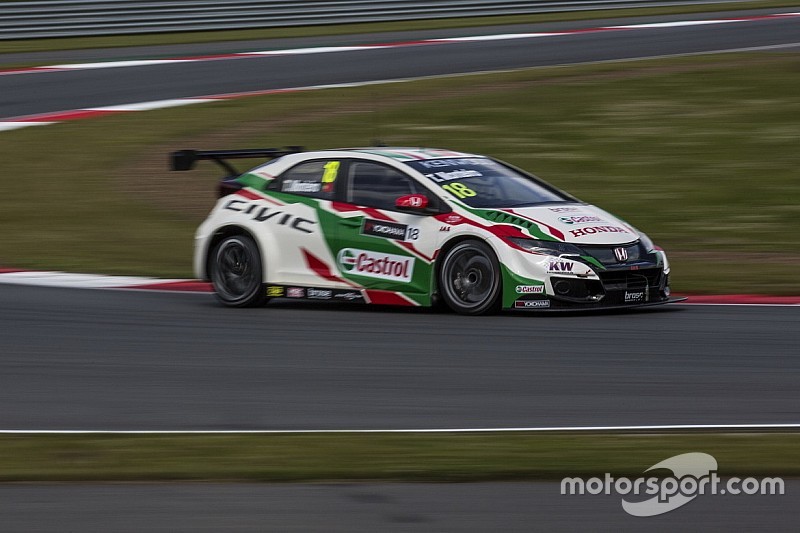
{"x": 445, "y": 249}
{"x": 231, "y": 230}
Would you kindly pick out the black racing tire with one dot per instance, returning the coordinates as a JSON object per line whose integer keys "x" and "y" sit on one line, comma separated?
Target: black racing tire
{"x": 237, "y": 273}
{"x": 469, "y": 279}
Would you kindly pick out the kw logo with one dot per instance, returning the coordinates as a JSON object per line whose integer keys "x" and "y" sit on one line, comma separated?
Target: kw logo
{"x": 559, "y": 266}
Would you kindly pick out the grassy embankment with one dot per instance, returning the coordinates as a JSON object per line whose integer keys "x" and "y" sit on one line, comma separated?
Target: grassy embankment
{"x": 385, "y": 457}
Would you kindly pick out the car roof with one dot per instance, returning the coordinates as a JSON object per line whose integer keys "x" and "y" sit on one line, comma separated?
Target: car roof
{"x": 387, "y": 154}
{"x": 409, "y": 154}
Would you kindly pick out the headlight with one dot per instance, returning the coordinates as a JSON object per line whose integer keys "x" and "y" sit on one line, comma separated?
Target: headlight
{"x": 546, "y": 247}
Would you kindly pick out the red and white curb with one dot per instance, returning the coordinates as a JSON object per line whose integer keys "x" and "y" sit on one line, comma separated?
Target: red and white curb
{"x": 98, "y": 281}
{"x": 14, "y": 123}
{"x": 45, "y": 119}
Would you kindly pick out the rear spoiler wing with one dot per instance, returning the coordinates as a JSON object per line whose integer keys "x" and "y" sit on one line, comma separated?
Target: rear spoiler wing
{"x": 185, "y": 159}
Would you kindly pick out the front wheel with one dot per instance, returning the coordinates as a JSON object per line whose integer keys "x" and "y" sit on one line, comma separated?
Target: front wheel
{"x": 469, "y": 280}
{"x": 236, "y": 272}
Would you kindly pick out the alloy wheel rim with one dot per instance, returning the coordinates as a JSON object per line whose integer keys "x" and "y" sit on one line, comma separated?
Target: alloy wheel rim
{"x": 235, "y": 272}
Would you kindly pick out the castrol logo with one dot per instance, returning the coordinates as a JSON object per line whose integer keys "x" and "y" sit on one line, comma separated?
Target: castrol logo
{"x": 376, "y": 265}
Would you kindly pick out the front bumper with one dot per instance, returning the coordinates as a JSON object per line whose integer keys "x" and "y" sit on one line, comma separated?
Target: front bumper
{"x": 639, "y": 284}
{"x": 628, "y": 286}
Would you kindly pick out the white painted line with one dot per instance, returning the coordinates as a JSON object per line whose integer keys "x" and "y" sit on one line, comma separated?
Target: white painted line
{"x": 556, "y": 429}
{"x": 11, "y": 125}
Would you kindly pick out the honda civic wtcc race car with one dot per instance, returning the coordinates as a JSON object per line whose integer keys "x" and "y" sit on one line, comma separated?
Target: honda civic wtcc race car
{"x": 415, "y": 227}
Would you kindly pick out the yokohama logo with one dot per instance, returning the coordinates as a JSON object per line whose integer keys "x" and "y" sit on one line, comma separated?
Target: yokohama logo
{"x": 376, "y": 265}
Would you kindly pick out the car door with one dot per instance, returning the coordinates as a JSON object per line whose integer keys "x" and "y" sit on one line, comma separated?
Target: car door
{"x": 300, "y": 226}
{"x": 376, "y": 245}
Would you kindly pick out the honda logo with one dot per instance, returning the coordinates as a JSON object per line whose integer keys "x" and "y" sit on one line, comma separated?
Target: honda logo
{"x": 621, "y": 254}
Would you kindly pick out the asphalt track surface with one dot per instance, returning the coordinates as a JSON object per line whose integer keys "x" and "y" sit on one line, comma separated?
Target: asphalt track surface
{"x": 127, "y": 360}
{"x": 58, "y": 91}
{"x": 430, "y": 507}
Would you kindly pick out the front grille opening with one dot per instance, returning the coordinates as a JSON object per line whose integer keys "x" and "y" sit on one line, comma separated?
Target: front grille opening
{"x": 635, "y": 251}
{"x": 620, "y": 285}
{"x": 582, "y": 290}
{"x": 620, "y": 280}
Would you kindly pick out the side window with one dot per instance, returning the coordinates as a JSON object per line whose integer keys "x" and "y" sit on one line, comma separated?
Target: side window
{"x": 312, "y": 178}
{"x": 376, "y": 185}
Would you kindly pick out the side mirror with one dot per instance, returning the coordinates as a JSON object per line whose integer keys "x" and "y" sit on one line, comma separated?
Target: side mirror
{"x": 412, "y": 202}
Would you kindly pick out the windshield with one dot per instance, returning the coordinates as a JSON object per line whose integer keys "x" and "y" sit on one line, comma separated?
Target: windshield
{"x": 482, "y": 182}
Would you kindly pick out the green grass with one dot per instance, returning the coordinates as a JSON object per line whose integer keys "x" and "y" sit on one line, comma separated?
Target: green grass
{"x": 73, "y": 43}
{"x": 701, "y": 153}
{"x": 384, "y": 457}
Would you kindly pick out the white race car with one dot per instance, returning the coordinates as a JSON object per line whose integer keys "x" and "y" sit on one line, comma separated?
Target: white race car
{"x": 415, "y": 226}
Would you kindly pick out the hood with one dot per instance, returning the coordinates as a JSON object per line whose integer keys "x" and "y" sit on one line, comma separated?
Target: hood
{"x": 577, "y": 223}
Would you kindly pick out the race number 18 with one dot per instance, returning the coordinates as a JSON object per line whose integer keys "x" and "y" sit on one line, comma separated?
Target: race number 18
{"x": 459, "y": 189}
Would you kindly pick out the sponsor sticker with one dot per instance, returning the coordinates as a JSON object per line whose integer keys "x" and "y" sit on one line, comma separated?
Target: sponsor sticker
{"x": 296, "y": 292}
{"x": 329, "y": 177}
{"x": 531, "y": 303}
{"x": 529, "y": 289}
{"x": 376, "y": 265}
{"x": 454, "y": 219}
{"x": 554, "y": 267}
{"x": 389, "y": 230}
{"x": 634, "y": 296}
{"x": 348, "y": 295}
{"x": 592, "y": 230}
{"x": 319, "y": 294}
{"x": 460, "y": 162}
{"x": 580, "y": 219}
{"x": 564, "y": 209}
{"x": 274, "y": 291}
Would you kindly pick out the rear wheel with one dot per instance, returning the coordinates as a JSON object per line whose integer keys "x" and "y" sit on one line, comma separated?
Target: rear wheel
{"x": 236, "y": 272}
{"x": 469, "y": 280}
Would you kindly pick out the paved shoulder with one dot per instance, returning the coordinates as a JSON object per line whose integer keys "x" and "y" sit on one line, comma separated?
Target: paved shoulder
{"x": 480, "y": 507}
